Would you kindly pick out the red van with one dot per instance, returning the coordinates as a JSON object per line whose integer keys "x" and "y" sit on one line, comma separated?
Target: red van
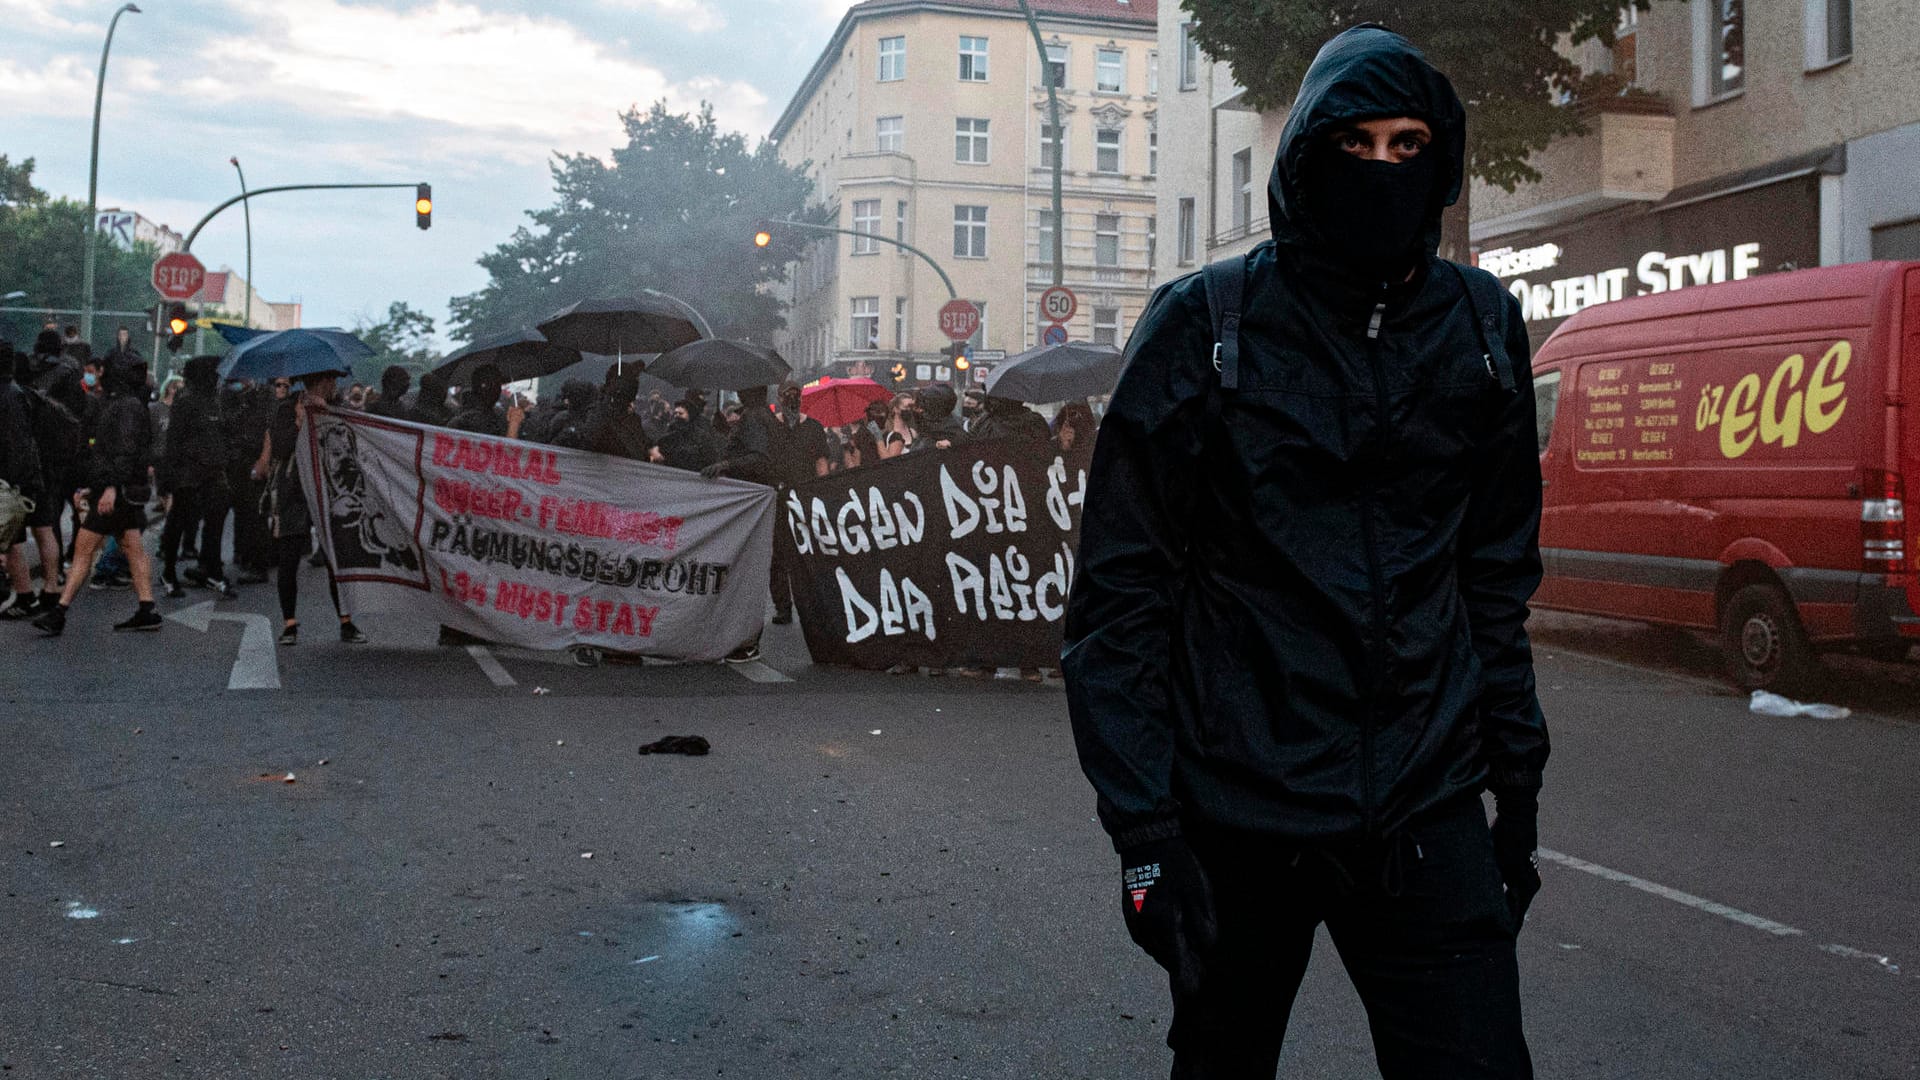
{"x": 1732, "y": 457}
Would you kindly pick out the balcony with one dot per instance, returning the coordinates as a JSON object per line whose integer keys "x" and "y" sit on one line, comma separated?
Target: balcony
{"x": 1626, "y": 156}
{"x": 877, "y": 166}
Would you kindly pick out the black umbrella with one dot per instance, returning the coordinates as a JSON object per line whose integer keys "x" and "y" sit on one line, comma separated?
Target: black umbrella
{"x": 519, "y": 354}
{"x": 721, "y": 365}
{"x": 1057, "y": 373}
{"x": 621, "y": 326}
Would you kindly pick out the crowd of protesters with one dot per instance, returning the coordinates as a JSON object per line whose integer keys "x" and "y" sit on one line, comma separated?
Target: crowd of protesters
{"x": 95, "y": 449}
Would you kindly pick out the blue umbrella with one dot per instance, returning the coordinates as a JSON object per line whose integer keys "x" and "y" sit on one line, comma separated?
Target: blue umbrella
{"x": 287, "y": 354}
{"x": 235, "y": 334}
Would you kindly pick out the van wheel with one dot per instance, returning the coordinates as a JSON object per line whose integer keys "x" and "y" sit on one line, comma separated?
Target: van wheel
{"x": 1765, "y": 647}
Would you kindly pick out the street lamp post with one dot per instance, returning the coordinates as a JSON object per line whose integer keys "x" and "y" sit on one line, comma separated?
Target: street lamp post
{"x": 763, "y": 238}
{"x": 246, "y": 205}
{"x": 93, "y": 180}
{"x": 1059, "y": 141}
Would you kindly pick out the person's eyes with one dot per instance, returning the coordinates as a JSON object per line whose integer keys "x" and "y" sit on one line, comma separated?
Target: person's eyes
{"x": 1410, "y": 145}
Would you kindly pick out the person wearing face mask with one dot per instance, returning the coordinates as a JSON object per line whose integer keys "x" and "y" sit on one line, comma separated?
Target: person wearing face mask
{"x": 799, "y": 452}
{"x": 1296, "y": 652}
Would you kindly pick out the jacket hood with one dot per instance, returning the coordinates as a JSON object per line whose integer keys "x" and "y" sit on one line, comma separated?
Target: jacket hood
{"x": 202, "y": 373}
{"x": 1366, "y": 72}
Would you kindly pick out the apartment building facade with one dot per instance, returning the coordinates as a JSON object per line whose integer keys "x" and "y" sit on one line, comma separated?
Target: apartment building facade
{"x": 927, "y": 121}
{"x": 1745, "y": 139}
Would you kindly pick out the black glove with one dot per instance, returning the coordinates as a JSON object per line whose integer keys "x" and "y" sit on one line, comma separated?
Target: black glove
{"x": 1169, "y": 908}
{"x": 715, "y": 470}
{"x": 1516, "y": 833}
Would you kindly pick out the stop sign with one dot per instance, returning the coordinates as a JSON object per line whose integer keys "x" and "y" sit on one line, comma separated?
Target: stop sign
{"x": 178, "y": 276}
{"x": 959, "y": 320}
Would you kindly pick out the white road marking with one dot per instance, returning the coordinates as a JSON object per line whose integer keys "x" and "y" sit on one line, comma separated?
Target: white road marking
{"x": 1733, "y": 914}
{"x": 756, "y": 671}
{"x": 255, "y": 667}
{"x": 491, "y": 666}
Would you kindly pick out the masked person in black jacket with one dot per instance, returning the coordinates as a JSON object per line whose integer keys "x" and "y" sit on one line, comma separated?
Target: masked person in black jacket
{"x": 193, "y": 469}
{"x": 1296, "y": 650}
{"x": 113, "y": 503}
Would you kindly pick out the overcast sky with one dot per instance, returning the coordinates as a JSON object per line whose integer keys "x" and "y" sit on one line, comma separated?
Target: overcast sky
{"x": 472, "y": 96}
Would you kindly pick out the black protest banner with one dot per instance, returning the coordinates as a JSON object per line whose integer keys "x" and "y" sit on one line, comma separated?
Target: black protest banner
{"x": 953, "y": 558}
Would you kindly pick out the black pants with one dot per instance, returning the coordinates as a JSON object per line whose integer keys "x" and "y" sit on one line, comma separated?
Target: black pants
{"x": 784, "y": 558}
{"x": 289, "y": 553}
{"x": 1420, "y": 922}
{"x": 252, "y": 543}
{"x": 203, "y": 508}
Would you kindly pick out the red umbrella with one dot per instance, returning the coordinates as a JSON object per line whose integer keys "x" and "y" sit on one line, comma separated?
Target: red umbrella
{"x": 835, "y": 402}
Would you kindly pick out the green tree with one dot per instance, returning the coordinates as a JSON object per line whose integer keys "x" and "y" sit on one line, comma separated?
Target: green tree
{"x": 404, "y": 337}
{"x": 1521, "y": 90}
{"x": 41, "y": 252}
{"x": 674, "y": 210}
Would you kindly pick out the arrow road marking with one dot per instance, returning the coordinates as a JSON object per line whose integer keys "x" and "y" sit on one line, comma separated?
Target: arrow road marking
{"x": 255, "y": 667}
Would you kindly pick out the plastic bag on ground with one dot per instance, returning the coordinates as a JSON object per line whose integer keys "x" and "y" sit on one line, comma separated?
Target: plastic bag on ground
{"x": 1767, "y": 704}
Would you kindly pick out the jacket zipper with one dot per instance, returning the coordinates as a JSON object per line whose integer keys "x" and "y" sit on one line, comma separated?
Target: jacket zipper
{"x": 1375, "y": 579}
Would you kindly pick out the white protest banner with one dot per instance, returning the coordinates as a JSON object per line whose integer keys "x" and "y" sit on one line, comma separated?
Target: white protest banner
{"x": 537, "y": 545}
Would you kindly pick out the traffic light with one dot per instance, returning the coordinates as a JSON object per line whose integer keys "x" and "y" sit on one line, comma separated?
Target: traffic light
{"x": 179, "y": 321}
{"x": 762, "y": 235}
{"x": 898, "y": 373}
{"x": 423, "y": 205}
{"x": 958, "y": 353}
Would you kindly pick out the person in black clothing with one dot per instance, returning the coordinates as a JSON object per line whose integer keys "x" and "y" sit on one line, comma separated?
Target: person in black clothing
{"x": 21, "y": 471}
{"x": 615, "y": 429}
{"x": 123, "y": 351}
{"x": 248, "y": 411}
{"x": 480, "y": 410}
{"x": 1006, "y": 418}
{"x": 690, "y": 442}
{"x": 114, "y": 502}
{"x": 193, "y": 469}
{"x": 750, "y": 457}
{"x": 799, "y": 450}
{"x": 392, "y": 403}
{"x": 288, "y": 518}
{"x": 938, "y": 428}
{"x": 569, "y": 424}
{"x": 1296, "y": 651}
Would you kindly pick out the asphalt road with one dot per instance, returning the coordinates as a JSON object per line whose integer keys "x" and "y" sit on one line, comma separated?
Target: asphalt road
{"x": 869, "y": 876}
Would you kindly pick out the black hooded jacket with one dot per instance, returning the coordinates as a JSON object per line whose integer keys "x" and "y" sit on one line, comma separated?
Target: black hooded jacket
{"x": 1301, "y": 603}
{"x": 120, "y": 444}
{"x": 196, "y": 440}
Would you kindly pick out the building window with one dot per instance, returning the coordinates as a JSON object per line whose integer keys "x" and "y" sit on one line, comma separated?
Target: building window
{"x": 893, "y": 59}
{"x": 1153, "y": 153}
{"x": 1106, "y": 239}
{"x": 1189, "y": 58}
{"x": 1184, "y": 239}
{"x": 1109, "y": 71}
{"x": 1056, "y": 73}
{"x": 1243, "y": 188}
{"x": 1106, "y": 326}
{"x": 890, "y": 134}
{"x": 1896, "y": 240}
{"x": 1106, "y": 150}
{"x": 1153, "y": 241}
{"x": 970, "y": 232}
{"x": 1050, "y": 146}
{"x": 1829, "y": 32}
{"x": 973, "y": 59}
{"x": 1723, "y": 46}
{"x": 900, "y": 224}
{"x": 866, "y": 220}
{"x": 1046, "y": 236}
{"x": 1153, "y": 74}
{"x": 970, "y": 141}
{"x": 900, "y": 323}
{"x": 1546, "y": 395}
{"x": 866, "y": 323}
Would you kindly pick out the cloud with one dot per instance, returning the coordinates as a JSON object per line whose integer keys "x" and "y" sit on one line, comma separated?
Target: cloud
{"x": 38, "y": 15}
{"x": 692, "y": 15}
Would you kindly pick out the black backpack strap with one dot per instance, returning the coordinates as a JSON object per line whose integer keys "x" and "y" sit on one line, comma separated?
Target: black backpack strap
{"x": 1226, "y": 281}
{"x": 1489, "y": 304}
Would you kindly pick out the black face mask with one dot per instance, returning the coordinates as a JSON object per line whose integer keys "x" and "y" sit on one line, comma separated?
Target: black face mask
{"x": 1370, "y": 215}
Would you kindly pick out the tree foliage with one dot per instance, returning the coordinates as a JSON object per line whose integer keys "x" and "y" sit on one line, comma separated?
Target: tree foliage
{"x": 1520, "y": 90}
{"x": 42, "y": 252}
{"x": 675, "y": 210}
{"x": 404, "y": 337}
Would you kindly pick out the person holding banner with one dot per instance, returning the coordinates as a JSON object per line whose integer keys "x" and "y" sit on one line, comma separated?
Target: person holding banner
{"x": 750, "y": 457}
{"x": 288, "y": 520}
{"x": 1296, "y": 652}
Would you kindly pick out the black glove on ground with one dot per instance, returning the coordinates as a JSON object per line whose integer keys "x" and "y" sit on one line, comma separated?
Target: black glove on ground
{"x": 1169, "y": 908}
{"x": 1516, "y": 833}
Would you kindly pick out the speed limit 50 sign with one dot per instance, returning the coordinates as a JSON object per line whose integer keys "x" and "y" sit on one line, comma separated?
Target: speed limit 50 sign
{"x": 1058, "y": 304}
